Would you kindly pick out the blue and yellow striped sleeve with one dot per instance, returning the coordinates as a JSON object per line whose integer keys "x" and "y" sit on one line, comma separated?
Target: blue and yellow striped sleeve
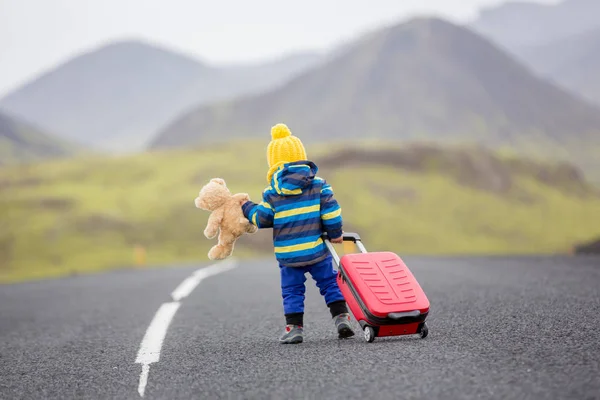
{"x": 260, "y": 214}
{"x": 331, "y": 212}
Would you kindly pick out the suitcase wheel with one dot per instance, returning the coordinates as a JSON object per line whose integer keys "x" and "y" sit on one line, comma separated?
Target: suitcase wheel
{"x": 369, "y": 333}
{"x": 424, "y": 331}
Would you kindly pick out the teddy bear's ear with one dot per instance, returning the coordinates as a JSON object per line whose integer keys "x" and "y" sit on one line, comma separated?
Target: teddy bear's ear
{"x": 219, "y": 181}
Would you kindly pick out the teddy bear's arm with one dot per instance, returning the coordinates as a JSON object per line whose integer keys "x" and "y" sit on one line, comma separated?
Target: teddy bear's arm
{"x": 241, "y": 198}
{"x": 214, "y": 221}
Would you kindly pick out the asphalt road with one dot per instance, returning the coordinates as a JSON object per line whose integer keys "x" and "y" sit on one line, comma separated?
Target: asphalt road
{"x": 500, "y": 328}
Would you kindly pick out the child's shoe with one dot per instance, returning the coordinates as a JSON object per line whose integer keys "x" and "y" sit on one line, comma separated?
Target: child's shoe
{"x": 293, "y": 334}
{"x": 344, "y": 328}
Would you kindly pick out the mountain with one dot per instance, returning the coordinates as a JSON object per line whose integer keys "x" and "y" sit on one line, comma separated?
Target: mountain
{"x": 267, "y": 74}
{"x": 424, "y": 79}
{"x": 558, "y": 42}
{"x": 572, "y": 62}
{"x": 519, "y": 24}
{"x": 117, "y": 96}
{"x": 21, "y": 142}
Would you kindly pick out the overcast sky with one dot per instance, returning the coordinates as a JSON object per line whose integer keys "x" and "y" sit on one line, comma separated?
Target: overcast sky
{"x": 36, "y": 35}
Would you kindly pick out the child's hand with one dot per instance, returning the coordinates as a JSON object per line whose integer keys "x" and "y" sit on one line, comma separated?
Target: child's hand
{"x": 337, "y": 240}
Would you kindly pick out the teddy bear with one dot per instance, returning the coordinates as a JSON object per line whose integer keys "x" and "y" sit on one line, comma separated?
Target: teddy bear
{"x": 226, "y": 216}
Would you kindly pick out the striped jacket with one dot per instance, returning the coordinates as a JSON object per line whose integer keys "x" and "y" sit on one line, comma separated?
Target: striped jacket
{"x": 299, "y": 206}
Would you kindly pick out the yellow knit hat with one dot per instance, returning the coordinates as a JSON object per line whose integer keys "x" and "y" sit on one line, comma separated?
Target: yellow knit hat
{"x": 283, "y": 148}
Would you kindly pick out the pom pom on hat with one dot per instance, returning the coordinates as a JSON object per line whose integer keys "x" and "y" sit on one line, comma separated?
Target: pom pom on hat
{"x": 280, "y": 131}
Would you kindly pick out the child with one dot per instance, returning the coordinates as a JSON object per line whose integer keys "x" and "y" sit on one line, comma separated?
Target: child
{"x": 299, "y": 206}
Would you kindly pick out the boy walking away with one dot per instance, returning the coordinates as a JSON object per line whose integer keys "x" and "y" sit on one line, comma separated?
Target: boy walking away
{"x": 300, "y": 206}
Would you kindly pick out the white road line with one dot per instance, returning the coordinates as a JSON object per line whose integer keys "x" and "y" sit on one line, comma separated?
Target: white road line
{"x": 149, "y": 351}
{"x": 143, "y": 379}
{"x": 189, "y": 284}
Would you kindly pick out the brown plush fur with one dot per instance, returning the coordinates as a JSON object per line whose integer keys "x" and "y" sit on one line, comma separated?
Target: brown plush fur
{"x": 226, "y": 217}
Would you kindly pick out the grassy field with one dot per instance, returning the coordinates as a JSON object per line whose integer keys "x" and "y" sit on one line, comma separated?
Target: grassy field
{"x": 76, "y": 216}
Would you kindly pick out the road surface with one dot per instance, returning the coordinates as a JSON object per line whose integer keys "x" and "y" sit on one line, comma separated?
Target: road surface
{"x": 500, "y": 328}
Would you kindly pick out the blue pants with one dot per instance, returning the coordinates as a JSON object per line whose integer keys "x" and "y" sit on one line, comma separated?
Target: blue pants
{"x": 293, "y": 288}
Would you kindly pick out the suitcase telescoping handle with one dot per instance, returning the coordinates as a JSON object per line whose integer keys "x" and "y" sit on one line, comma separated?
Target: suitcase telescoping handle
{"x": 347, "y": 237}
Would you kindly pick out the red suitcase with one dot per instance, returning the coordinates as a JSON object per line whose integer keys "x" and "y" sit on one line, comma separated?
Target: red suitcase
{"x": 381, "y": 292}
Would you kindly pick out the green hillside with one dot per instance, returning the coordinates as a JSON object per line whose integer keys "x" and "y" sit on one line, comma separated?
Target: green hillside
{"x": 20, "y": 142}
{"x": 72, "y": 216}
